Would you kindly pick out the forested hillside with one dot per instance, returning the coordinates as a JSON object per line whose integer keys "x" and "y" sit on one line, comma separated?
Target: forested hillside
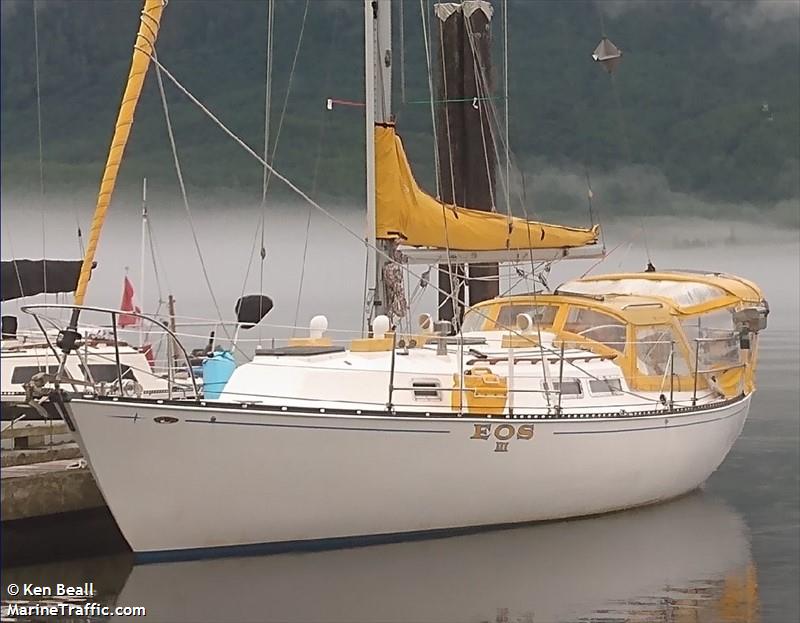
{"x": 705, "y": 101}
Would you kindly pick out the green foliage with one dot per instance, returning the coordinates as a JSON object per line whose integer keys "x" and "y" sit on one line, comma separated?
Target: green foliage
{"x": 688, "y": 99}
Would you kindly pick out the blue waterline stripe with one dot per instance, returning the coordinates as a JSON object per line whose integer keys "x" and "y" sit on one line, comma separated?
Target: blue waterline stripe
{"x": 315, "y": 545}
{"x": 345, "y": 542}
{"x": 635, "y": 430}
{"x": 307, "y": 545}
{"x": 373, "y": 430}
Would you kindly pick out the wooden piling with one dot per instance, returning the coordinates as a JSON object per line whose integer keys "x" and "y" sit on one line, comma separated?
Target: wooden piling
{"x": 466, "y": 151}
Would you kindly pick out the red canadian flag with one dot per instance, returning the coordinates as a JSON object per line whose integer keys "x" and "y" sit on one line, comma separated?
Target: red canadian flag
{"x": 126, "y": 320}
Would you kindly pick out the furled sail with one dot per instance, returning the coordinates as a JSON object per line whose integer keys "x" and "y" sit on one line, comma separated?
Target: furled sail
{"x": 30, "y": 277}
{"x": 143, "y": 47}
{"x": 406, "y": 212}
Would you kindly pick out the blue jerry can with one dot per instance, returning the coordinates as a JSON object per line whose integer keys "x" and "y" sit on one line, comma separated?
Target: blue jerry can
{"x": 217, "y": 370}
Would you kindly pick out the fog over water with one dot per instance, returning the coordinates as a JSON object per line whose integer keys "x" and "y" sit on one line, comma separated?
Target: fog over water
{"x": 227, "y": 232}
{"x": 659, "y": 563}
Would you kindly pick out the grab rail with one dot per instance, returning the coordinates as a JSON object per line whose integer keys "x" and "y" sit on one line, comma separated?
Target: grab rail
{"x": 31, "y": 309}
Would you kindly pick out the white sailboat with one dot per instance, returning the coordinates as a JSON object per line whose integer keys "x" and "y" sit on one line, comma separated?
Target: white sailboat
{"x": 611, "y": 392}
{"x": 106, "y": 360}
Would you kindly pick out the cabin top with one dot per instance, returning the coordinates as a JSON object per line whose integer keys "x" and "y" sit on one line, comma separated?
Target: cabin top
{"x": 634, "y": 298}
{"x": 687, "y": 292}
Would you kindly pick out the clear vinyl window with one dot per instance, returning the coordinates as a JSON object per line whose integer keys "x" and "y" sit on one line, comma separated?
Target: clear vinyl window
{"x": 654, "y": 344}
{"x": 716, "y": 336}
{"x": 542, "y": 315}
{"x": 597, "y": 326}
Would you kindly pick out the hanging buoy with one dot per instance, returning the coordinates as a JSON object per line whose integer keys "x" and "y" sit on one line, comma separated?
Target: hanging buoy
{"x": 607, "y": 54}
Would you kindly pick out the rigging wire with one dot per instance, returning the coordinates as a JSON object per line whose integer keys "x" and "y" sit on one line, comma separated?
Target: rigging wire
{"x": 7, "y": 230}
{"x": 482, "y": 116}
{"x": 182, "y": 186}
{"x": 332, "y": 217}
{"x": 323, "y": 124}
{"x": 483, "y": 79}
{"x": 38, "y": 103}
{"x": 267, "y": 95}
{"x": 402, "y": 53}
{"x": 500, "y": 136}
{"x": 453, "y": 279}
{"x": 268, "y": 171}
{"x": 483, "y": 86}
{"x": 629, "y": 156}
{"x": 39, "y": 136}
{"x": 624, "y": 132}
{"x": 505, "y": 107}
{"x": 153, "y": 258}
{"x": 425, "y": 37}
{"x": 267, "y": 114}
{"x": 446, "y": 108}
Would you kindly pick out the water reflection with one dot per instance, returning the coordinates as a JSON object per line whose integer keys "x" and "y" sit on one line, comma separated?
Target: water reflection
{"x": 684, "y": 561}
{"x": 688, "y": 560}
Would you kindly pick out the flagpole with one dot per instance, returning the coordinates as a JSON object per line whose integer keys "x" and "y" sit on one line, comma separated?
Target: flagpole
{"x": 141, "y": 258}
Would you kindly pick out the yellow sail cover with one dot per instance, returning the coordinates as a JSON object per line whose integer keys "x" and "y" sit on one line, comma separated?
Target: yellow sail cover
{"x": 406, "y": 212}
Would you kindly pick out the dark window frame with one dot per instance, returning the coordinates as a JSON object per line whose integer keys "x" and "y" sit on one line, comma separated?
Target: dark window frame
{"x": 29, "y": 371}
{"x": 109, "y": 372}
{"x": 427, "y": 389}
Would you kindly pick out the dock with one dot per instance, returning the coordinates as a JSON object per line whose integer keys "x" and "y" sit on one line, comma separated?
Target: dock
{"x": 47, "y": 488}
{"x": 49, "y": 500}
{"x": 43, "y": 472}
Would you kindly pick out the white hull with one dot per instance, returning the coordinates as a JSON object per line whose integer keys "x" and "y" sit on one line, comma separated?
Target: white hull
{"x": 222, "y": 476}
{"x": 675, "y": 562}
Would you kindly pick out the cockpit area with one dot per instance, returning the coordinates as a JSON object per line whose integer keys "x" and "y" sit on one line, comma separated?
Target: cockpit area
{"x": 692, "y": 331}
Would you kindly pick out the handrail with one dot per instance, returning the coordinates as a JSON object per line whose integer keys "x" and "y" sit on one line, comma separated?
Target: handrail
{"x": 31, "y": 310}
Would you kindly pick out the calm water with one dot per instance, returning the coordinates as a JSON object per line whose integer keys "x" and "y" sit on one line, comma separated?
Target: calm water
{"x": 728, "y": 553}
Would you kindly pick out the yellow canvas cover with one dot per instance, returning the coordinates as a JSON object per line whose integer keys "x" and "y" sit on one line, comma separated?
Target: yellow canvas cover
{"x": 406, "y": 212}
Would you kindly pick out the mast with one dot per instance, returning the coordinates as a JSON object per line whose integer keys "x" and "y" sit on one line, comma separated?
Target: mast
{"x": 143, "y": 47}
{"x": 383, "y": 63}
{"x": 378, "y": 107}
{"x": 373, "y": 294}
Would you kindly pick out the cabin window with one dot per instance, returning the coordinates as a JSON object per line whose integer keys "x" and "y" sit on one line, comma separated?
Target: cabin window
{"x": 107, "y": 372}
{"x": 426, "y": 389}
{"x": 605, "y": 386}
{"x": 653, "y": 347}
{"x": 716, "y": 335}
{"x": 542, "y": 315}
{"x": 569, "y": 388}
{"x": 474, "y": 320}
{"x": 596, "y": 326}
{"x": 23, "y": 374}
